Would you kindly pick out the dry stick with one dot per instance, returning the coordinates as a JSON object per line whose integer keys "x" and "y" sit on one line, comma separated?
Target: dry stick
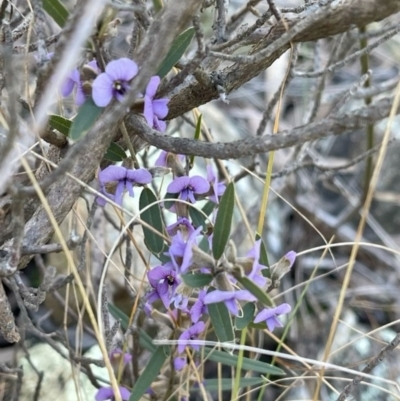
{"x": 365, "y": 50}
{"x": 9, "y": 78}
{"x": 78, "y": 280}
{"x": 364, "y": 61}
{"x": 359, "y": 233}
{"x": 331, "y": 126}
{"x": 219, "y": 26}
{"x": 371, "y": 365}
{"x": 346, "y": 15}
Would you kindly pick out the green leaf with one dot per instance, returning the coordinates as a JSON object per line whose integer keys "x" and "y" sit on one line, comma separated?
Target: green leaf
{"x": 168, "y": 195}
{"x": 197, "y": 280}
{"x": 258, "y": 292}
{"x": 152, "y": 216}
{"x": 223, "y": 222}
{"x": 196, "y": 135}
{"x": 198, "y": 218}
{"x": 226, "y": 384}
{"x": 248, "y": 315}
{"x": 221, "y": 321}
{"x": 59, "y": 123}
{"x": 56, "y": 10}
{"x": 177, "y": 50}
{"x": 263, "y": 252}
{"x": 150, "y": 372}
{"x": 115, "y": 153}
{"x": 247, "y": 365}
{"x": 87, "y": 115}
{"x": 145, "y": 340}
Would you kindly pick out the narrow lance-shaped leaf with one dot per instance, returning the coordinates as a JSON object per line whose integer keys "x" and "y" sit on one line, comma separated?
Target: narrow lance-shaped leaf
{"x": 56, "y": 10}
{"x": 61, "y": 124}
{"x": 223, "y": 222}
{"x": 226, "y": 384}
{"x": 145, "y": 340}
{"x": 115, "y": 153}
{"x": 150, "y": 372}
{"x": 177, "y": 50}
{"x": 258, "y": 292}
{"x": 221, "y": 321}
{"x": 197, "y": 280}
{"x": 263, "y": 252}
{"x": 196, "y": 135}
{"x": 152, "y": 216}
{"x": 248, "y": 364}
{"x": 87, "y": 115}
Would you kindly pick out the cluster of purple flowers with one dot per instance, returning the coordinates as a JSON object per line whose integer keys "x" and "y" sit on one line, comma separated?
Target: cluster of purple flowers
{"x": 167, "y": 286}
{"x": 113, "y": 83}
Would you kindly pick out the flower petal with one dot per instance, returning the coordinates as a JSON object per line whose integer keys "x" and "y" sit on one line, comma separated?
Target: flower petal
{"x": 102, "y": 90}
{"x": 152, "y": 86}
{"x": 148, "y": 111}
{"x": 122, "y": 69}
{"x": 104, "y": 393}
{"x": 139, "y": 176}
{"x": 199, "y": 184}
{"x": 160, "y": 108}
{"x": 112, "y": 173}
{"x": 178, "y": 184}
{"x": 218, "y": 296}
{"x": 125, "y": 393}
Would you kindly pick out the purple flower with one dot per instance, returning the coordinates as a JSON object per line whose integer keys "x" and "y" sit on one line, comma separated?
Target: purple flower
{"x": 182, "y": 223}
{"x": 179, "y": 363}
{"x": 125, "y": 179}
{"x": 255, "y": 274}
{"x": 114, "y": 82}
{"x": 116, "y": 354}
{"x": 291, "y": 257}
{"x": 199, "y": 308}
{"x": 192, "y": 333}
{"x": 269, "y": 315}
{"x": 162, "y": 159}
{"x": 187, "y": 187}
{"x": 74, "y": 80}
{"x": 107, "y": 393}
{"x": 181, "y": 251}
{"x": 154, "y": 109}
{"x": 230, "y": 299}
{"x": 164, "y": 282}
{"x": 218, "y": 188}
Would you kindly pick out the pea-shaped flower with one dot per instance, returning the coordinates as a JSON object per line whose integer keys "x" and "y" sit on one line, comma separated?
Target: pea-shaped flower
{"x": 114, "y": 82}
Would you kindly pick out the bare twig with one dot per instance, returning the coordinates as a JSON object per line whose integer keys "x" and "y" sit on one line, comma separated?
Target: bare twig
{"x": 371, "y": 365}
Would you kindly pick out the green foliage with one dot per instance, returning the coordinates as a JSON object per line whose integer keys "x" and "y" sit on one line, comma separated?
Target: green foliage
{"x": 115, "y": 153}
{"x": 177, "y": 50}
{"x": 151, "y": 216}
{"x": 223, "y": 222}
{"x": 248, "y": 364}
{"x": 248, "y": 315}
{"x": 87, "y": 115}
{"x": 197, "y": 280}
{"x": 196, "y": 135}
{"x": 168, "y": 195}
{"x": 56, "y": 10}
{"x": 258, "y": 292}
{"x": 221, "y": 321}
{"x": 59, "y": 123}
{"x": 145, "y": 340}
{"x": 150, "y": 372}
{"x": 226, "y": 384}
